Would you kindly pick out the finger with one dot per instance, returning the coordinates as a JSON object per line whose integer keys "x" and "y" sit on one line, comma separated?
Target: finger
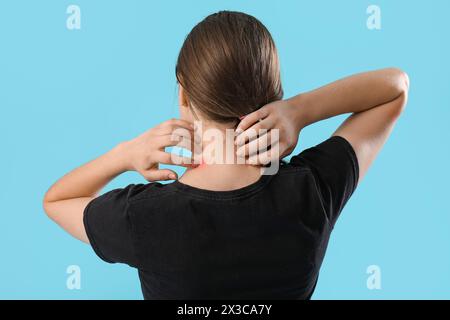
{"x": 251, "y": 119}
{"x": 187, "y": 144}
{"x": 259, "y": 145}
{"x": 266, "y": 157}
{"x": 254, "y": 131}
{"x": 188, "y": 140}
{"x": 182, "y": 132}
{"x": 174, "y": 141}
{"x": 159, "y": 175}
{"x": 176, "y": 131}
{"x": 171, "y": 125}
{"x": 173, "y": 159}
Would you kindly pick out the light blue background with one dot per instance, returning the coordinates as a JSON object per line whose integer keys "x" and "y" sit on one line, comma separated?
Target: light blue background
{"x": 68, "y": 96}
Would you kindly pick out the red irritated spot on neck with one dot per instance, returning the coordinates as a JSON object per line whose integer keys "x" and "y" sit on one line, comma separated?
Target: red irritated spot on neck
{"x": 202, "y": 164}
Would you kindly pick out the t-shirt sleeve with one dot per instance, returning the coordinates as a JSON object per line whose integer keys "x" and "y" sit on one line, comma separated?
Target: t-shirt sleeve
{"x": 109, "y": 228}
{"x": 334, "y": 166}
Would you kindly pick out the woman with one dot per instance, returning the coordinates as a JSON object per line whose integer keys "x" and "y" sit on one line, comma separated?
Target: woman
{"x": 224, "y": 229}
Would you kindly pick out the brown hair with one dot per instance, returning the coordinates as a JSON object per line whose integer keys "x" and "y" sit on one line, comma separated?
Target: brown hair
{"x": 228, "y": 66}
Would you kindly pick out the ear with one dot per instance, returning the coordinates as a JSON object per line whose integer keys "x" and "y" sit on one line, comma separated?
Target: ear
{"x": 183, "y": 100}
{"x": 183, "y": 105}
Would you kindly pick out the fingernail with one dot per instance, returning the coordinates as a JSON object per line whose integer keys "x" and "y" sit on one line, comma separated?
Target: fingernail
{"x": 240, "y": 152}
{"x": 242, "y": 118}
{"x": 239, "y": 142}
{"x": 238, "y": 131}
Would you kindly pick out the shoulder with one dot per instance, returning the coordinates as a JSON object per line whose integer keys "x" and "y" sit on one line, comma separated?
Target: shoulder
{"x": 140, "y": 192}
{"x": 333, "y": 157}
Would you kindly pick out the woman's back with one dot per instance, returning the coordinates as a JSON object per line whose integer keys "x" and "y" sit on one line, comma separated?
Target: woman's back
{"x": 266, "y": 240}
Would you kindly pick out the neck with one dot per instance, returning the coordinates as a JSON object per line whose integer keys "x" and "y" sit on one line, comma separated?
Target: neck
{"x": 221, "y": 177}
{"x": 219, "y": 169}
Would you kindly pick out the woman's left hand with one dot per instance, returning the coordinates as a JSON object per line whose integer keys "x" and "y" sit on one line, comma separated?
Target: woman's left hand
{"x": 256, "y": 139}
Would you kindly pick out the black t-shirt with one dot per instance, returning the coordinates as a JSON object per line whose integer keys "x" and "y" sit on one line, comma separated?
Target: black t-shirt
{"x": 264, "y": 241}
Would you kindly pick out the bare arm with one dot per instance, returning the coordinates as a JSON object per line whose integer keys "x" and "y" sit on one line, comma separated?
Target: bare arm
{"x": 376, "y": 99}
{"x": 66, "y": 200}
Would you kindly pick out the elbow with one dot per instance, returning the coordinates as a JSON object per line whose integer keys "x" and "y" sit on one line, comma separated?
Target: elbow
{"x": 404, "y": 81}
{"x": 47, "y": 205}
{"x": 400, "y": 80}
{"x": 401, "y": 84}
{"x": 400, "y": 105}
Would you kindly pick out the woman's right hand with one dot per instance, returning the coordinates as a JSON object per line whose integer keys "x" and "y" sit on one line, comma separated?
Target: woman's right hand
{"x": 145, "y": 152}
